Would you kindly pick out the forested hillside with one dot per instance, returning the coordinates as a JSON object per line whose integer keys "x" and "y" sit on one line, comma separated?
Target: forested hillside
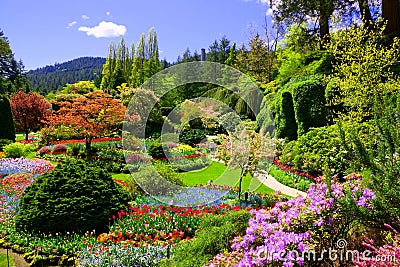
{"x": 54, "y": 77}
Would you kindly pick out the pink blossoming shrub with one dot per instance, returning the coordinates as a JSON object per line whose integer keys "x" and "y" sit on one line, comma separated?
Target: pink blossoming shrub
{"x": 59, "y": 149}
{"x": 385, "y": 256}
{"x": 285, "y": 234}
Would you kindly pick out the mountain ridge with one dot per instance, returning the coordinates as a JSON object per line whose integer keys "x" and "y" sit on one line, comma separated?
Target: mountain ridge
{"x": 54, "y": 77}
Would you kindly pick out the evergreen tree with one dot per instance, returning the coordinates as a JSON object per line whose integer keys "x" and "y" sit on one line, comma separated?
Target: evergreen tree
{"x": 286, "y": 126}
{"x": 12, "y": 76}
{"x": 7, "y": 127}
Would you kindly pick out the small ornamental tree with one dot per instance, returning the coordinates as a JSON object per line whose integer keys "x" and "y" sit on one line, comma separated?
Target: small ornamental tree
{"x": 96, "y": 114}
{"x": 73, "y": 197}
{"x": 29, "y": 111}
{"x": 7, "y": 129}
{"x": 248, "y": 147}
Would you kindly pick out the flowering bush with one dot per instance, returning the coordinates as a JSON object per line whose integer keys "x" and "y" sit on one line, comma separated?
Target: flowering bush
{"x": 283, "y": 234}
{"x": 44, "y": 150}
{"x": 183, "y": 149}
{"x": 60, "y": 149}
{"x": 135, "y": 158}
{"x": 385, "y": 256}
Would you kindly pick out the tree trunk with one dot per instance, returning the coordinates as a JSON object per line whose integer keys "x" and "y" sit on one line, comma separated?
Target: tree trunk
{"x": 324, "y": 23}
{"x": 240, "y": 183}
{"x": 390, "y": 13}
{"x": 88, "y": 142}
{"x": 26, "y": 135}
{"x": 365, "y": 12}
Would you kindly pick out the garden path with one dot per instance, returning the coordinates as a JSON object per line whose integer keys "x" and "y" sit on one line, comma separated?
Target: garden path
{"x": 272, "y": 183}
{"x": 18, "y": 259}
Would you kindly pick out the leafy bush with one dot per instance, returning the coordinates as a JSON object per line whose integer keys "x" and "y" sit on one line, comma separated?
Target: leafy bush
{"x": 75, "y": 149}
{"x": 59, "y": 148}
{"x": 158, "y": 180}
{"x": 16, "y": 150}
{"x": 73, "y": 197}
{"x": 324, "y": 147}
{"x": 157, "y": 151}
{"x": 191, "y": 164}
{"x": 215, "y": 237}
{"x": 4, "y": 142}
{"x": 191, "y": 137}
{"x": 384, "y": 165}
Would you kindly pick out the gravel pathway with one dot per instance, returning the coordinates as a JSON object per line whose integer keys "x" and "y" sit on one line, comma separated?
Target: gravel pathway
{"x": 272, "y": 183}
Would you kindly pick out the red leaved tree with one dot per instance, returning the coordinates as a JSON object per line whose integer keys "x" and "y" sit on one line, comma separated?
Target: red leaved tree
{"x": 94, "y": 115}
{"x": 29, "y": 110}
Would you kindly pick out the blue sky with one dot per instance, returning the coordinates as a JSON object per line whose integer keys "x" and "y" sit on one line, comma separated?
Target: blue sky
{"x": 44, "y": 32}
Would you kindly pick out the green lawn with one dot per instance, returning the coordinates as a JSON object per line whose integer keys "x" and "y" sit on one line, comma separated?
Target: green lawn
{"x": 220, "y": 175}
{"x": 3, "y": 260}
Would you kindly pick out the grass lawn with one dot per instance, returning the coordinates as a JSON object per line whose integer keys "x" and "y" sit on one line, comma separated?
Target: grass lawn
{"x": 120, "y": 176}
{"x": 219, "y": 174}
{"x": 19, "y": 137}
{"x": 3, "y": 260}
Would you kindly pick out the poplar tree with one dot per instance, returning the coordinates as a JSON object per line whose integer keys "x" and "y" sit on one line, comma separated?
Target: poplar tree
{"x": 138, "y": 73}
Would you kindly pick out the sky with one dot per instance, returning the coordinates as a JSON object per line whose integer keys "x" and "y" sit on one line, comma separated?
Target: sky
{"x": 44, "y": 32}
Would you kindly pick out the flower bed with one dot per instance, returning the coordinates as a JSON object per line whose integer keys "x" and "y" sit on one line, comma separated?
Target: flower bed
{"x": 302, "y": 224}
{"x": 94, "y": 140}
{"x": 290, "y": 169}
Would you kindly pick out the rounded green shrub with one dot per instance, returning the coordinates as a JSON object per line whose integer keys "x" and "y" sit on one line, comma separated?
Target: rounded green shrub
{"x": 328, "y": 147}
{"x": 73, "y": 197}
{"x": 191, "y": 137}
{"x": 16, "y": 150}
{"x": 160, "y": 179}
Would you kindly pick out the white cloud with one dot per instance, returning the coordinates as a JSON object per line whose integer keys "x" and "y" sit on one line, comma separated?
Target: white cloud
{"x": 85, "y": 17}
{"x": 108, "y": 13}
{"x": 71, "y": 24}
{"x": 104, "y": 29}
{"x": 263, "y": 2}
{"x": 269, "y": 12}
